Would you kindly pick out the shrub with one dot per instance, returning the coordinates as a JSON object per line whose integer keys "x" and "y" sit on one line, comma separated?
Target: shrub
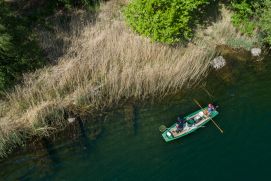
{"x": 79, "y": 3}
{"x": 265, "y": 21}
{"x": 241, "y": 43}
{"x": 19, "y": 52}
{"x": 164, "y": 20}
{"x": 253, "y": 17}
{"x": 243, "y": 17}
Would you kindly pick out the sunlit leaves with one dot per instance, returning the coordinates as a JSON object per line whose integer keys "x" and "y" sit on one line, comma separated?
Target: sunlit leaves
{"x": 163, "y": 20}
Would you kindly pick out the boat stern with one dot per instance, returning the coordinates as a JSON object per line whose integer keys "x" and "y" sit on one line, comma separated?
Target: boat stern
{"x": 167, "y": 135}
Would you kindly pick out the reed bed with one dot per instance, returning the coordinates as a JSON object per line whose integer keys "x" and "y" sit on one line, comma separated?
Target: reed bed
{"x": 105, "y": 65}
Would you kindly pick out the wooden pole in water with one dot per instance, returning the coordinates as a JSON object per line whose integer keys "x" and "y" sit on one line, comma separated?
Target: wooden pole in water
{"x": 210, "y": 117}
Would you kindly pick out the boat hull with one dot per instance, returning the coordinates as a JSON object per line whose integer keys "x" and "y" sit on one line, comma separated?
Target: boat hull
{"x": 169, "y": 135}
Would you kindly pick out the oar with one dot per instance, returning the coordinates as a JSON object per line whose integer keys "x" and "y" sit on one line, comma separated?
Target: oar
{"x": 209, "y": 116}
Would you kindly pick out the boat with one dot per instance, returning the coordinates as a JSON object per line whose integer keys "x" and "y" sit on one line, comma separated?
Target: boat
{"x": 194, "y": 121}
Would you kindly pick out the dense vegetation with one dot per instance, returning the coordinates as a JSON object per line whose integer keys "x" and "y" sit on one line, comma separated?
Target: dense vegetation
{"x": 19, "y": 50}
{"x": 161, "y": 20}
{"x": 174, "y": 21}
{"x": 165, "y": 21}
{"x": 105, "y": 66}
{"x": 253, "y": 17}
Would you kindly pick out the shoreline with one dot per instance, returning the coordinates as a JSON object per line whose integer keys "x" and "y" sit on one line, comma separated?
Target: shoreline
{"x": 105, "y": 65}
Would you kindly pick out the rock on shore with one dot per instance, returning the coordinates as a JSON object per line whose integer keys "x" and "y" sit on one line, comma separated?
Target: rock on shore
{"x": 256, "y": 52}
{"x": 218, "y": 62}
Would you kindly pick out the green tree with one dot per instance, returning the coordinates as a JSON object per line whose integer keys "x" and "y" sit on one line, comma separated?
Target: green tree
{"x": 265, "y": 21}
{"x": 243, "y": 17}
{"x": 253, "y": 17}
{"x": 19, "y": 52}
{"x": 163, "y": 20}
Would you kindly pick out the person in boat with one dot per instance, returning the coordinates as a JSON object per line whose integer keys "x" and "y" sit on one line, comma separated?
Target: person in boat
{"x": 180, "y": 123}
{"x": 211, "y": 108}
{"x": 181, "y": 119}
{"x": 179, "y": 127}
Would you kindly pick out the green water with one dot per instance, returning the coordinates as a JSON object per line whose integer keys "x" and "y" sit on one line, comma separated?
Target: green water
{"x": 130, "y": 146}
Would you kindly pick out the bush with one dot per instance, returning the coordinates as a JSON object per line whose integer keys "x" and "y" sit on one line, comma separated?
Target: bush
{"x": 19, "y": 52}
{"x": 69, "y": 4}
{"x": 241, "y": 43}
{"x": 265, "y": 21}
{"x": 253, "y": 17}
{"x": 163, "y": 20}
{"x": 243, "y": 16}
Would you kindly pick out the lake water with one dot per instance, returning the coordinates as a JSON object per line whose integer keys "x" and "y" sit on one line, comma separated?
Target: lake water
{"x": 130, "y": 146}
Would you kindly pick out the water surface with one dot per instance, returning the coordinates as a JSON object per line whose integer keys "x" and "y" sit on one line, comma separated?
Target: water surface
{"x": 130, "y": 147}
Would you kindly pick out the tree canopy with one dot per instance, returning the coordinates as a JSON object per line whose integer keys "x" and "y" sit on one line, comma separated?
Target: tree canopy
{"x": 253, "y": 17}
{"x": 162, "y": 20}
{"x": 19, "y": 50}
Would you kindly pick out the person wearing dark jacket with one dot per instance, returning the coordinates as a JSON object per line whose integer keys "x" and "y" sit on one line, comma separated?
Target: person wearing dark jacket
{"x": 180, "y": 123}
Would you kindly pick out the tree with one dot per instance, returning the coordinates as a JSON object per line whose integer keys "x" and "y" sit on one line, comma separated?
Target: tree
{"x": 253, "y": 17}
{"x": 19, "y": 53}
{"x": 163, "y": 20}
{"x": 265, "y": 21}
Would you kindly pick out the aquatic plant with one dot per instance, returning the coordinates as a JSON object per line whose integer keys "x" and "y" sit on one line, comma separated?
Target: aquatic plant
{"x": 106, "y": 65}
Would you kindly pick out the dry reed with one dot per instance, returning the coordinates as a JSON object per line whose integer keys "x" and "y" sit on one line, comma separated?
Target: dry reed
{"x": 105, "y": 65}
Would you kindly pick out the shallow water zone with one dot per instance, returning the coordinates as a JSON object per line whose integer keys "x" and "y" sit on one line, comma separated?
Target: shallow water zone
{"x": 130, "y": 147}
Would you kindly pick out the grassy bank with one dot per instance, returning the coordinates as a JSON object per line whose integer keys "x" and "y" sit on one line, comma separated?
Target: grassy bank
{"x": 20, "y": 50}
{"x": 105, "y": 65}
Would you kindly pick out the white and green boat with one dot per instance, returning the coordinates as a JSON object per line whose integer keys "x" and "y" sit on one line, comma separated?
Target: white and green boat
{"x": 194, "y": 121}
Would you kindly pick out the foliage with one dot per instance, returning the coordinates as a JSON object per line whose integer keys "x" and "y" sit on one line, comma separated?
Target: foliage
{"x": 253, "y": 17}
{"x": 243, "y": 16}
{"x": 18, "y": 51}
{"x": 240, "y": 43}
{"x": 69, "y": 4}
{"x": 265, "y": 21}
{"x": 103, "y": 69}
{"x": 163, "y": 20}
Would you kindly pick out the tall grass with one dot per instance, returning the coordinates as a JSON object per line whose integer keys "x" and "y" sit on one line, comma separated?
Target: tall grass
{"x": 104, "y": 66}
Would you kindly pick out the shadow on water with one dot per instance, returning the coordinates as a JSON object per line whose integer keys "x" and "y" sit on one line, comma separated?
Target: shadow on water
{"x": 131, "y": 117}
{"x": 84, "y": 138}
{"x": 51, "y": 152}
{"x": 126, "y": 144}
{"x": 47, "y": 159}
{"x": 135, "y": 117}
